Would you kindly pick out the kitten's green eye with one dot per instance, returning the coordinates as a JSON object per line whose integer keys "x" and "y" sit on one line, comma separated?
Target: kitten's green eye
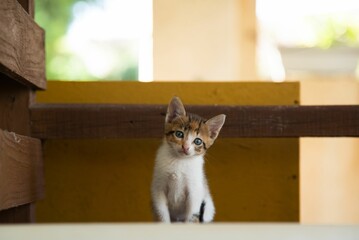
{"x": 179, "y": 134}
{"x": 198, "y": 141}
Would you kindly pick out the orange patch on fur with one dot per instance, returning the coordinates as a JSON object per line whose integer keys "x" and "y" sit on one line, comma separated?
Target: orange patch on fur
{"x": 189, "y": 124}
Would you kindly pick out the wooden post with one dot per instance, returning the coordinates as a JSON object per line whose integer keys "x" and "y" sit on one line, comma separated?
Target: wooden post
{"x": 248, "y": 39}
{"x": 22, "y": 70}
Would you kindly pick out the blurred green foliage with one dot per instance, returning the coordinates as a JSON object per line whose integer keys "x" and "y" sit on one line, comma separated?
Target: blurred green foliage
{"x": 332, "y": 32}
{"x": 61, "y": 63}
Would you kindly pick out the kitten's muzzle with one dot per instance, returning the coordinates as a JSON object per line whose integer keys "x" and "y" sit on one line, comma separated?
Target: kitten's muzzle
{"x": 185, "y": 150}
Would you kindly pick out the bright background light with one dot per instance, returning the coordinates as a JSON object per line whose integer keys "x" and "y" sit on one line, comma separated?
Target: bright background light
{"x": 104, "y": 40}
{"x": 302, "y": 23}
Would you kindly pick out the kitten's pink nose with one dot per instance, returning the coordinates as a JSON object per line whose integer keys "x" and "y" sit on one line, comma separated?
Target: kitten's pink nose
{"x": 185, "y": 149}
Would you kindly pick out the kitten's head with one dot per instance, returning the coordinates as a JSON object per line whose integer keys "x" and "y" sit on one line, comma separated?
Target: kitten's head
{"x": 188, "y": 134}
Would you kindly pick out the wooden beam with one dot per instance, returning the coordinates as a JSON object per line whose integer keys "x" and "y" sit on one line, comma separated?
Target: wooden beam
{"x": 22, "y": 52}
{"x": 21, "y": 176}
{"x": 57, "y": 121}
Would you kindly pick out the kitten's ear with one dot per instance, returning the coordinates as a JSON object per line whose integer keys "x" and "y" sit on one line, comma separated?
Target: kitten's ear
{"x": 215, "y": 124}
{"x": 175, "y": 109}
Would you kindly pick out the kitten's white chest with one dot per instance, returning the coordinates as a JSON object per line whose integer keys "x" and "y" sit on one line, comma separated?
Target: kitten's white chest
{"x": 176, "y": 190}
{"x": 173, "y": 177}
{"x": 178, "y": 186}
{"x": 177, "y": 177}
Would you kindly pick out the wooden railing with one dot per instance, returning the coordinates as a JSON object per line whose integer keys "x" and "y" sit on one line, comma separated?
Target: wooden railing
{"x": 57, "y": 121}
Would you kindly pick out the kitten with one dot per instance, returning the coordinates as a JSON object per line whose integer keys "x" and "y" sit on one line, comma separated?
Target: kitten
{"x": 179, "y": 188}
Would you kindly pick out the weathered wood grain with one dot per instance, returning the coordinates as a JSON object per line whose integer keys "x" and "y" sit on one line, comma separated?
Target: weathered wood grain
{"x": 58, "y": 121}
{"x": 22, "y": 52}
{"x": 21, "y": 176}
{"x": 14, "y": 106}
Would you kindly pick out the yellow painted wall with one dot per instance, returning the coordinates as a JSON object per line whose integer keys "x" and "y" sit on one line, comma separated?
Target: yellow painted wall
{"x": 109, "y": 180}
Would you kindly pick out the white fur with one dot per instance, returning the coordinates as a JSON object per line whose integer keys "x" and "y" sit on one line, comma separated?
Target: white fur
{"x": 179, "y": 186}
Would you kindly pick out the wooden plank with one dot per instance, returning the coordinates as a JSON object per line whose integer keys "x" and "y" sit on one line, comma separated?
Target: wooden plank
{"x": 21, "y": 176}
{"x": 56, "y": 121}
{"x": 22, "y": 52}
{"x": 14, "y": 106}
{"x": 21, "y": 214}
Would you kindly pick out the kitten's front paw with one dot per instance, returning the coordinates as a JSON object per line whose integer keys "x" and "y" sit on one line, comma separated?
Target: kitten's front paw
{"x": 194, "y": 218}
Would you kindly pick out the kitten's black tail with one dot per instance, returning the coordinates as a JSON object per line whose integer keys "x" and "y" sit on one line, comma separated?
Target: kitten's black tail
{"x": 201, "y": 212}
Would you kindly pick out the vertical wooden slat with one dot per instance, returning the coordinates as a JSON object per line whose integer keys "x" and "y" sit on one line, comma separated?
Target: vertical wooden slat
{"x": 22, "y": 69}
{"x": 14, "y": 106}
{"x": 248, "y": 39}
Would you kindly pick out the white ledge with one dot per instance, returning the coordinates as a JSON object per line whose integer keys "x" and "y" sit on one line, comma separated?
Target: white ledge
{"x": 218, "y": 231}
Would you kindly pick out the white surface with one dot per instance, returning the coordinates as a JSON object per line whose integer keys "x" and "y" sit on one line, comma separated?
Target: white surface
{"x": 180, "y": 231}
